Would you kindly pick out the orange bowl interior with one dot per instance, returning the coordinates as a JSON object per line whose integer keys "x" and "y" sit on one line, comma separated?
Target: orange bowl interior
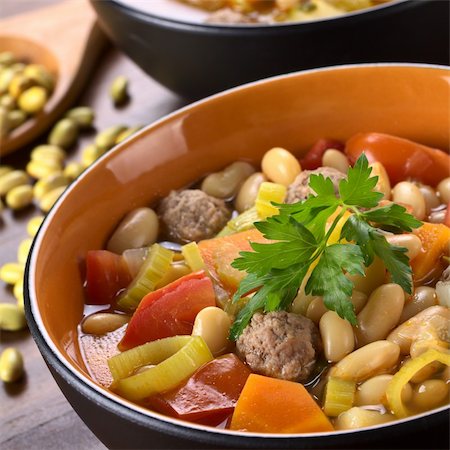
{"x": 291, "y": 112}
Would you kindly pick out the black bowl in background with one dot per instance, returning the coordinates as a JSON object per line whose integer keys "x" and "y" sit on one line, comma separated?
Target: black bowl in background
{"x": 198, "y": 59}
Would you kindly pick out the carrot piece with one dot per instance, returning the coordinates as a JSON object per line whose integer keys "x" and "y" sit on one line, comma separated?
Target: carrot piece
{"x": 269, "y": 405}
{"x": 435, "y": 239}
{"x": 220, "y": 252}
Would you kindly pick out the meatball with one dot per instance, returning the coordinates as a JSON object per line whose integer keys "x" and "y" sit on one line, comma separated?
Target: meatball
{"x": 192, "y": 215}
{"x": 299, "y": 189}
{"x": 280, "y": 345}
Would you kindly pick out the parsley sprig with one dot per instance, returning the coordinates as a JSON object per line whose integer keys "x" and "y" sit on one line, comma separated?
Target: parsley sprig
{"x": 276, "y": 270}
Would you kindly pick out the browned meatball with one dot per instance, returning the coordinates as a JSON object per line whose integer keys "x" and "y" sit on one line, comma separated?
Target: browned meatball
{"x": 280, "y": 345}
{"x": 192, "y": 215}
{"x": 299, "y": 189}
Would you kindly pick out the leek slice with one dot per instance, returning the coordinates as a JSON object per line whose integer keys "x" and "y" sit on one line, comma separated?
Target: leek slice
{"x": 339, "y": 396}
{"x": 193, "y": 257}
{"x": 176, "y": 359}
{"x": 268, "y": 193}
{"x": 404, "y": 375}
{"x": 152, "y": 271}
{"x": 242, "y": 222}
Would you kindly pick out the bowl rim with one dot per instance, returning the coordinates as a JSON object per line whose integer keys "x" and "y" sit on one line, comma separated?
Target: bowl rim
{"x": 288, "y": 26}
{"x": 130, "y": 411}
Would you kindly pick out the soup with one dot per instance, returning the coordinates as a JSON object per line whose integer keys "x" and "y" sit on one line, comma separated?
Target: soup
{"x": 302, "y": 296}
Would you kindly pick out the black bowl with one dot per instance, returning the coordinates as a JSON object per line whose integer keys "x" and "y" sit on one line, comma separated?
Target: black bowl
{"x": 198, "y": 59}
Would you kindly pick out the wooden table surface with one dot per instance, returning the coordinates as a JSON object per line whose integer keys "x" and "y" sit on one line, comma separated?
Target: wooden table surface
{"x": 34, "y": 413}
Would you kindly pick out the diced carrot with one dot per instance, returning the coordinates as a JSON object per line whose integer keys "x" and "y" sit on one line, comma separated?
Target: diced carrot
{"x": 219, "y": 253}
{"x": 428, "y": 263}
{"x": 269, "y": 405}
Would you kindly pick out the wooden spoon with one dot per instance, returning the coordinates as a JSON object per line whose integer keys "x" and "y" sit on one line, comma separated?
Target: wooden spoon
{"x": 67, "y": 41}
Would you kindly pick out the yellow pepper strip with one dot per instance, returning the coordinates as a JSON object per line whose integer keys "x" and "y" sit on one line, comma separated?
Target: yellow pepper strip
{"x": 268, "y": 193}
{"x": 339, "y": 396}
{"x": 155, "y": 266}
{"x": 193, "y": 257}
{"x": 404, "y": 375}
{"x": 175, "y": 359}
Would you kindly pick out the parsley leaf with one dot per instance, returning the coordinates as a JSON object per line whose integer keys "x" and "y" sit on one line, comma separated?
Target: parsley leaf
{"x": 305, "y": 242}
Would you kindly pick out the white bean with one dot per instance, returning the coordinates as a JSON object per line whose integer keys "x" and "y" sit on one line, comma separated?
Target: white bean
{"x": 316, "y": 309}
{"x": 409, "y": 194}
{"x": 430, "y": 197}
{"x": 409, "y": 241}
{"x": 357, "y": 417}
{"x": 423, "y": 298}
{"x": 373, "y": 278}
{"x": 373, "y": 359}
{"x": 249, "y": 191}
{"x": 383, "y": 184}
{"x": 429, "y": 394}
{"x": 225, "y": 184}
{"x": 335, "y": 159}
{"x": 337, "y": 336}
{"x": 444, "y": 190}
{"x": 381, "y": 314}
{"x": 213, "y": 325}
{"x": 373, "y": 391}
{"x": 102, "y": 323}
{"x": 280, "y": 166}
{"x": 138, "y": 228}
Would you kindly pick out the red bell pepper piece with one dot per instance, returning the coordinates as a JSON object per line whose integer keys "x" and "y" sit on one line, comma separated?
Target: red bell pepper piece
{"x": 208, "y": 396}
{"x": 313, "y": 159}
{"x": 401, "y": 158}
{"x": 170, "y": 310}
{"x": 106, "y": 275}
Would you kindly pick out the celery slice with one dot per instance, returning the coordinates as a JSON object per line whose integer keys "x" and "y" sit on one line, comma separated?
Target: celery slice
{"x": 242, "y": 222}
{"x": 268, "y": 193}
{"x": 152, "y": 271}
{"x": 193, "y": 256}
{"x": 176, "y": 359}
{"x": 339, "y": 396}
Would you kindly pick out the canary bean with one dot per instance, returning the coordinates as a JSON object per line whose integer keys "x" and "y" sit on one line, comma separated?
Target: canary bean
{"x": 82, "y": 115}
{"x": 33, "y": 99}
{"x": 102, "y": 323}
{"x": 213, "y": 325}
{"x": 6, "y": 76}
{"x": 48, "y": 152}
{"x": 8, "y": 102}
{"x": 106, "y": 139}
{"x": 33, "y": 225}
{"x": 118, "y": 90}
{"x": 19, "y": 197}
{"x": 90, "y": 154}
{"x": 16, "y": 118}
{"x": 409, "y": 193}
{"x": 357, "y": 417}
{"x": 138, "y": 228}
{"x": 11, "y": 365}
{"x": 373, "y": 391}
{"x": 335, "y": 159}
{"x": 50, "y": 198}
{"x": 40, "y": 75}
{"x": 7, "y": 58}
{"x": 73, "y": 170}
{"x": 48, "y": 183}
{"x": 41, "y": 169}
{"x": 430, "y": 197}
{"x": 11, "y": 273}
{"x": 127, "y": 133}
{"x": 19, "y": 84}
{"x": 280, "y": 166}
{"x": 64, "y": 133}
{"x": 337, "y": 336}
{"x": 4, "y": 170}
{"x": 12, "y": 179}
{"x": 381, "y": 314}
{"x": 225, "y": 184}
{"x": 12, "y": 317}
{"x": 407, "y": 240}
{"x": 373, "y": 359}
{"x": 423, "y": 298}
{"x": 248, "y": 192}
{"x": 23, "y": 250}
{"x": 18, "y": 293}
{"x": 443, "y": 189}
{"x": 430, "y": 394}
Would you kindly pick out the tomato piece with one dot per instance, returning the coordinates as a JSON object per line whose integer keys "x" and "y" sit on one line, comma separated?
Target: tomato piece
{"x": 401, "y": 158}
{"x": 447, "y": 216}
{"x": 106, "y": 274}
{"x": 170, "y": 310}
{"x": 313, "y": 159}
{"x": 209, "y": 395}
